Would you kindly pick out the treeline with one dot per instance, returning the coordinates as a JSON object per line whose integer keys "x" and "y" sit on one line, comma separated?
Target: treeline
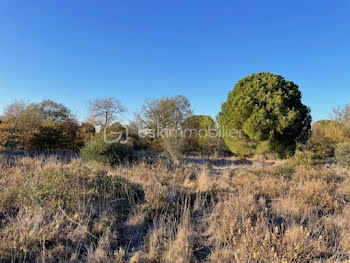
{"x": 263, "y": 115}
{"x": 51, "y": 126}
{"x": 44, "y": 126}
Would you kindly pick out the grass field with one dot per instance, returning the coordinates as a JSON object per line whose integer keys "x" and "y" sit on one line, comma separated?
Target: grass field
{"x": 204, "y": 210}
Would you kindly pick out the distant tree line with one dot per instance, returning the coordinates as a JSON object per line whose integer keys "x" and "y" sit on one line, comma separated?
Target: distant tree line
{"x": 47, "y": 125}
{"x": 264, "y": 109}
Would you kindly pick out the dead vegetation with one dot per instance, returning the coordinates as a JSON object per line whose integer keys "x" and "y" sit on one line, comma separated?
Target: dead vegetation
{"x": 54, "y": 211}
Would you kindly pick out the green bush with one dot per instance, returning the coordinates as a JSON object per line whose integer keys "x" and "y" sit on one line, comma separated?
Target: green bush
{"x": 264, "y": 107}
{"x": 191, "y": 127}
{"x": 93, "y": 150}
{"x": 201, "y": 136}
{"x": 273, "y": 150}
{"x": 302, "y": 157}
{"x": 342, "y": 154}
{"x": 100, "y": 151}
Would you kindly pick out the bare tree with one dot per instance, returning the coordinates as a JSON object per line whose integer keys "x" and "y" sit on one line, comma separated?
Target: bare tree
{"x": 342, "y": 115}
{"x": 103, "y": 111}
{"x": 167, "y": 112}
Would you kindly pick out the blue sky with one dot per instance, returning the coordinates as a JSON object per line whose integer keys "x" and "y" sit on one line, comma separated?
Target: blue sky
{"x": 74, "y": 50}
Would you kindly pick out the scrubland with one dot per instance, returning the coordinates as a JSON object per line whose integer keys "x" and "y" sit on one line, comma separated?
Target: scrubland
{"x": 60, "y": 211}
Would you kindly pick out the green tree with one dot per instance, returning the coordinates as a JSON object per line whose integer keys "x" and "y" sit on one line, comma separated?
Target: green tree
{"x": 264, "y": 114}
{"x": 48, "y": 137}
{"x": 53, "y": 136}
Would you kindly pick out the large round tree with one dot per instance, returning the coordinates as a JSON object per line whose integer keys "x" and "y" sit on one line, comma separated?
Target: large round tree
{"x": 264, "y": 114}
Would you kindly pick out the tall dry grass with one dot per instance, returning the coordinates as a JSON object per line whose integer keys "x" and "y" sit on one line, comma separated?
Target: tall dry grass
{"x": 53, "y": 211}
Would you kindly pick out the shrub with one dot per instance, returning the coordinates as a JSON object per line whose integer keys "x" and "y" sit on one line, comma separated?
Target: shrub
{"x": 100, "y": 151}
{"x": 272, "y": 150}
{"x": 201, "y": 136}
{"x": 93, "y": 151}
{"x": 264, "y": 107}
{"x": 342, "y": 154}
{"x": 67, "y": 208}
{"x": 85, "y": 133}
{"x": 302, "y": 158}
{"x": 195, "y": 129}
{"x": 173, "y": 145}
{"x": 326, "y": 135}
{"x": 49, "y": 137}
{"x": 283, "y": 171}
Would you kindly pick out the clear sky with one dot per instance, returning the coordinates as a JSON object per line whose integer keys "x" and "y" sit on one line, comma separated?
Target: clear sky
{"x": 74, "y": 50}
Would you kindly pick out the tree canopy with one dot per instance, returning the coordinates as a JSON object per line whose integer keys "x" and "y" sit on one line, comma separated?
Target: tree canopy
{"x": 47, "y": 125}
{"x": 104, "y": 111}
{"x": 266, "y": 114}
{"x": 166, "y": 112}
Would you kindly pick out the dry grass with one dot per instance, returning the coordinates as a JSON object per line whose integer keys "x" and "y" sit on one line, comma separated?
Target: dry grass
{"x": 52, "y": 211}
